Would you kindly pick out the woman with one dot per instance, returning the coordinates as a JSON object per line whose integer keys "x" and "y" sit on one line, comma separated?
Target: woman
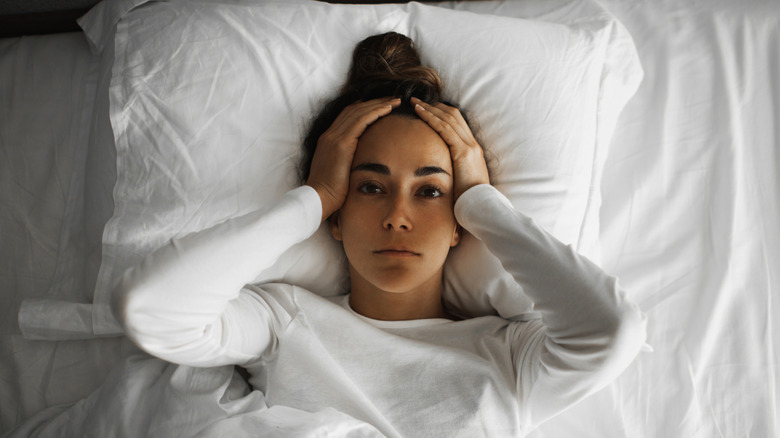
{"x": 397, "y": 173}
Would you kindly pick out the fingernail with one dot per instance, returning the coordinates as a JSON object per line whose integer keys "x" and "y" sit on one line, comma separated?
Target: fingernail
{"x": 419, "y": 107}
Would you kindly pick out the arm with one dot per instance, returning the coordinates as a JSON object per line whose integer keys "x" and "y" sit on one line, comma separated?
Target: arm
{"x": 184, "y": 302}
{"x": 591, "y": 330}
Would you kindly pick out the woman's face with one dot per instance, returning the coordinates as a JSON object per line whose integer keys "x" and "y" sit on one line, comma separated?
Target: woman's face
{"x": 397, "y": 222}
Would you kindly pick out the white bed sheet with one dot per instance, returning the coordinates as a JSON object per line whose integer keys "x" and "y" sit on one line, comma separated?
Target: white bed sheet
{"x": 690, "y": 214}
{"x": 691, "y": 217}
{"x": 47, "y": 86}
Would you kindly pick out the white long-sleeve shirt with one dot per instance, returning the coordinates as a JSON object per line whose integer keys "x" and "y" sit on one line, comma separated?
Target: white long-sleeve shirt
{"x": 189, "y": 303}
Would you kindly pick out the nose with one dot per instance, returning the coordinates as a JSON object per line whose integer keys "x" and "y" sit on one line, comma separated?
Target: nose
{"x": 397, "y": 216}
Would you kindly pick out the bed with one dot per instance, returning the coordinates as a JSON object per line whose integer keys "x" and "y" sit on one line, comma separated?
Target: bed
{"x": 681, "y": 198}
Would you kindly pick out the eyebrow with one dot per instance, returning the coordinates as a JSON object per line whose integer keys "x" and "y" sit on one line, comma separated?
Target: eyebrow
{"x": 384, "y": 170}
{"x": 429, "y": 170}
{"x": 372, "y": 167}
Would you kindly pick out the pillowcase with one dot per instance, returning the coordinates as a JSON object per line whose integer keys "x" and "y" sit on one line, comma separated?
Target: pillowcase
{"x": 210, "y": 101}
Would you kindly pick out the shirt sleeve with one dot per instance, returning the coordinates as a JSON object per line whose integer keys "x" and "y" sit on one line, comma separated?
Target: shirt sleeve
{"x": 185, "y": 302}
{"x": 589, "y": 331}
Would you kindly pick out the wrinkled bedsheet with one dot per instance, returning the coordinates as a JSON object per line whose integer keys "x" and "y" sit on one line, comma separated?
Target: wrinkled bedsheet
{"x": 47, "y": 86}
{"x": 146, "y": 397}
{"x": 691, "y": 218}
{"x": 690, "y": 214}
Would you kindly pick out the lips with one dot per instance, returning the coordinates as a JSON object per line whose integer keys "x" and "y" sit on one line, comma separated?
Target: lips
{"x": 397, "y": 252}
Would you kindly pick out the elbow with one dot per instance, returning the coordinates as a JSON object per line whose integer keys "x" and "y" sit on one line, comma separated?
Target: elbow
{"x": 626, "y": 336}
{"x": 632, "y": 328}
{"x": 134, "y": 306}
{"x": 154, "y": 321}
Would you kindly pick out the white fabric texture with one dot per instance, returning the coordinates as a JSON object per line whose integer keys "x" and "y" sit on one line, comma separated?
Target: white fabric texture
{"x": 696, "y": 233}
{"x": 479, "y": 377}
{"x": 689, "y": 225}
{"x": 197, "y": 148}
{"x": 44, "y": 131}
{"x": 46, "y": 198}
{"x": 148, "y": 397}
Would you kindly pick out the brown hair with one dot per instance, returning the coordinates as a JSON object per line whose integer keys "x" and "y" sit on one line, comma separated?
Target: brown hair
{"x": 383, "y": 65}
{"x": 388, "y": 65}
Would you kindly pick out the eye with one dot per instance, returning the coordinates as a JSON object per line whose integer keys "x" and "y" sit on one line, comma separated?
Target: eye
{"x": 431, "y": 192}
{"x": 369, "y": 188}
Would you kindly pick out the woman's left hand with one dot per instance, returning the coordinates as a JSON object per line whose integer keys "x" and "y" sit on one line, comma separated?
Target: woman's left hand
{"x": 468, "y": 159}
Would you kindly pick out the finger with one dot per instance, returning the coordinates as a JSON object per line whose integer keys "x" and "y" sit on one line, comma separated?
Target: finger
{"x": 355, "y": 110}
{"x": 453, "y": 132}
{"x": 353, "y": 120}
{"x": 448, "y": 115}
{"x": 359, "y": 120}
{"x": 382, "y": 99}
{"x": 350, "y": 115}
{"x": 444, "y": 129}
{"x": 370, "y": 104}
{"x": 454, "y": 118}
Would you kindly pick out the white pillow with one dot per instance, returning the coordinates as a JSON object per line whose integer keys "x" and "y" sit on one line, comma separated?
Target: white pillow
{"x": 210, "y": 101}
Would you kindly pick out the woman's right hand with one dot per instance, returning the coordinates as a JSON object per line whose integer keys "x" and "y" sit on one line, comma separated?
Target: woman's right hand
{"x": 332, "y": 161}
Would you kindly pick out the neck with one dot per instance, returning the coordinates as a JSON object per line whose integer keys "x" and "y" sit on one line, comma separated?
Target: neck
{"x": 421, "y": 302}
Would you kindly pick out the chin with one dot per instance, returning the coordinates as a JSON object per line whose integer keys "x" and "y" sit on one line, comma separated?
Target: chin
{"x": 394, "y": 284}
{"x": 398, "y": 278}
{"x": 398, "y": 281}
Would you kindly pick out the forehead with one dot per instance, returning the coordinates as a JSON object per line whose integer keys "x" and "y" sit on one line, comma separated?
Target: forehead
{"x": 402, "y": 140}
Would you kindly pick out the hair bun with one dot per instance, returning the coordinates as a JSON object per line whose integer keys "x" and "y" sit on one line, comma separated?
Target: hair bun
{"x": 388, "y": 65}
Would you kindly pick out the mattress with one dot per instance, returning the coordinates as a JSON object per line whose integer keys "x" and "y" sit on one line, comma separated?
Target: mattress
{"x": 689, "y": 222}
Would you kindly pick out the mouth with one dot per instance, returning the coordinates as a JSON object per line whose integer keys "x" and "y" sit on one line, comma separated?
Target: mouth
{"x": 396, "y": 252}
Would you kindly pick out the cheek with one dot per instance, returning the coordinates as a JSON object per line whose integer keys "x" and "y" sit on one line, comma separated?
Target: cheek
{"x": 439, "y": 225}
{"x": 354, "y": 219}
